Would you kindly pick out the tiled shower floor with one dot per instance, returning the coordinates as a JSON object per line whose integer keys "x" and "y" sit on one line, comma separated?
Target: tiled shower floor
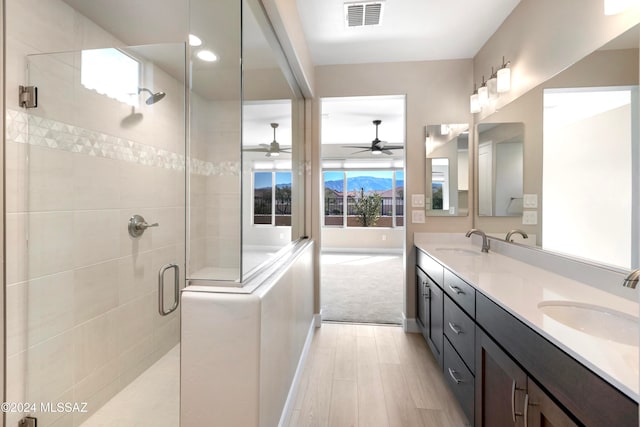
{"x": 152, "y": 400}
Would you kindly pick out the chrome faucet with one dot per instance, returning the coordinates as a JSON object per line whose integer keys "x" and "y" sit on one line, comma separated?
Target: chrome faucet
{"x": 485, "y": 241}
{"x": 516, "y": 231}
{"x": 631, "y": 281}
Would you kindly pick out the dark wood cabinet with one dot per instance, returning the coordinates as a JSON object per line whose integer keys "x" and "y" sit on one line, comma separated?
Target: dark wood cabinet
{"x": 430, "y": 300}
{"x": 542, "y": 411}
{"x": 435, "y": 332}
{"x": 501, "y": 386}
{"x": 422, "y": 294}
{"x": 517, "y": 377}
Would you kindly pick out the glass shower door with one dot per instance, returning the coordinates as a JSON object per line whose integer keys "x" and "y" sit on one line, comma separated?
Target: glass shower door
{"x": 99, "y": 177}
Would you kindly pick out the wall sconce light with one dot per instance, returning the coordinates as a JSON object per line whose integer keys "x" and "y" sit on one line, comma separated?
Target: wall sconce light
{"x": 504, "y": 77}
{"x": 492, "y": 84}
{"x": 613, "y": 7}
{"x": 474, "y": 102}
{"x": 428, "y": 141}
{"x": 483, "y": 94}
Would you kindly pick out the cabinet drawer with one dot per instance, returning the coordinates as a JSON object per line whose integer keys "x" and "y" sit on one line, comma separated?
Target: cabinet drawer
{"x": 460, "y": 292}
{"x": 461, "y": 331}
{"x": 460, "y": 380}
{"x": 430, "y": 266}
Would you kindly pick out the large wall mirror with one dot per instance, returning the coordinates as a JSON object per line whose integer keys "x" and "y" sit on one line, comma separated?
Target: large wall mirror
{"x": 447, "y": 170}
{"x": 581, "y": 157}
{"x": 500, "y": 169}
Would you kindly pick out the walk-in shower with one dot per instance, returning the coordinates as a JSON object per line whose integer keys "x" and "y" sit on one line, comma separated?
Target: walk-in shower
{"x": 109, "y": 190}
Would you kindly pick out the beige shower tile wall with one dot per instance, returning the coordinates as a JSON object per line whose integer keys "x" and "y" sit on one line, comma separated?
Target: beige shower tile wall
{"x": 215, "y": 190}
{"x": 82, "y": 318}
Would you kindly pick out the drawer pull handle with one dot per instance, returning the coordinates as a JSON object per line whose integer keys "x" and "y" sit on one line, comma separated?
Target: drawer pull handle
{"x": 514, "y": 414}
{"x": 457, "y": 290}
{"x": 526, "y": 410}
{"x": 453, "y": 373}
{"x": 455, "y": 328}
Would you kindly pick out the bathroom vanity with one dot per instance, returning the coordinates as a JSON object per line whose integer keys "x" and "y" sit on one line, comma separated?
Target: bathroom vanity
{"x": 520, "y": 345}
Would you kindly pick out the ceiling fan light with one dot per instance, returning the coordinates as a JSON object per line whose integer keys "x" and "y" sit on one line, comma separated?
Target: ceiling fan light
{"x": 274, "y": 154}
{"x": 376, "y": 152}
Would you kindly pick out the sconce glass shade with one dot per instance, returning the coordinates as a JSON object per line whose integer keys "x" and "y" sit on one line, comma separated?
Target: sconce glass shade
{"x": 613, "y": 7}
{"x": 474, "y": 104}
{"x": 504, "y": 80}
{"x": 492, "y": 85}
{"x": 483, "y": 95}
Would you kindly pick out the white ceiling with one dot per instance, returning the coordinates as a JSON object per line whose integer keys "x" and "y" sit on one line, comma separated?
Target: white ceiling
{"x": 411, "y": 30}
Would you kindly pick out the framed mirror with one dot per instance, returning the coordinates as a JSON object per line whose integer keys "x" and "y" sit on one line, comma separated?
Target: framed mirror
{"x": 500, "y": 169}
{"x": 447, "y": 170}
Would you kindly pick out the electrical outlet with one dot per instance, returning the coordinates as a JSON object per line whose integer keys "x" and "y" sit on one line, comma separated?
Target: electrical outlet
{"x": 417, "y": 200}
{"x": 530, "y": 201}
{"x": 530, "y": 217}
{"x": 417, "y": 217}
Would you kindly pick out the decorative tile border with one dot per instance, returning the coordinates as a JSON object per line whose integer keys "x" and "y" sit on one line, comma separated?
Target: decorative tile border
{"x": 24, "y": 128}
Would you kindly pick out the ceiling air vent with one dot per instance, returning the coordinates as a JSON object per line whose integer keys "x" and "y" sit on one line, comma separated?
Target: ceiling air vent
{"x": 361, "y": 14}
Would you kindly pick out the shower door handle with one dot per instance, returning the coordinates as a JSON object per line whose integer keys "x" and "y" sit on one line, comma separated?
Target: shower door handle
{"x": 176, "y": 289}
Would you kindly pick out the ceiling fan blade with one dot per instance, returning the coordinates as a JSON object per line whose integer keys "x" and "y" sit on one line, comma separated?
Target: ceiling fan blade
{"x": 394, "y": 148}
{"x": 361, "y": 151}
{"x": 387, "y": 152}
{"x": 257, "y": 150}
{"x": 356, "y": 146}
{"x": 266, "y": 145}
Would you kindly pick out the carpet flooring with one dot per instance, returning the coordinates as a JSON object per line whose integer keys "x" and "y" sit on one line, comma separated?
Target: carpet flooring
{"x": 362, "y": 288}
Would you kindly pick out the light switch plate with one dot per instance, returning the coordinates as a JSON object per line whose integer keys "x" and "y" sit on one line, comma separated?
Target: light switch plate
{"x": 530, "y": 201}
{"x": 417, "y": 200}
{"x": 530, "y": 217}
{"x": 417, "y": 217}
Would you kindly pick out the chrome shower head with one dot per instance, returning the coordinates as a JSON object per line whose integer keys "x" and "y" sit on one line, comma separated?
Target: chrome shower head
{"x": 155, "y": 97}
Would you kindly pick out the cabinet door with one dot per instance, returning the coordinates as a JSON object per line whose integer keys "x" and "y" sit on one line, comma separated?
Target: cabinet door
{"x": 541, "y": 411}
{"x": 435, "y": 331}
{"x": 422, "y": 293}
{"x": 501, "y": 386}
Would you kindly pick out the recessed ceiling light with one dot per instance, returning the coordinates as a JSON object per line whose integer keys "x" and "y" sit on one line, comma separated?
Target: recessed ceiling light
{"x": 207, "y": 55}
{"x": 194, "y": 40}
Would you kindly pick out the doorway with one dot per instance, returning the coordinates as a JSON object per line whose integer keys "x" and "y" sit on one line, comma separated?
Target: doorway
{"x": 362, "y": 262}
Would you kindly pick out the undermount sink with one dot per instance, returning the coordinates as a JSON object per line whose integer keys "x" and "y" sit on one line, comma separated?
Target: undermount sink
{"x": 459, "y": 251}
{"x": 594, "y": 320}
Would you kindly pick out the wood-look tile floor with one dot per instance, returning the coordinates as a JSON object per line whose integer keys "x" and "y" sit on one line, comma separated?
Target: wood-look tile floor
{"x": 369, "y": 376}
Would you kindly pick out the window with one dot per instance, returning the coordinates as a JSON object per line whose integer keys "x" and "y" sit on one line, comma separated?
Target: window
{"x": 272, "y": 198}
{"x": 111, "y": 72}
{"x": 346, "y": 188}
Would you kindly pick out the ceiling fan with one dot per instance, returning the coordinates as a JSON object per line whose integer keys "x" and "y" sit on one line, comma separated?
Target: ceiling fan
{"x": 273, "y": 149}
{"x": 377, "y": 147}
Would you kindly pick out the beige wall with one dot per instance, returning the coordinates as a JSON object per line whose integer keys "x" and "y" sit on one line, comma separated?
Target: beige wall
{"x": 436, "y": 92}
{"x": 362, "y": 238}
{"x": 543, "y": 37}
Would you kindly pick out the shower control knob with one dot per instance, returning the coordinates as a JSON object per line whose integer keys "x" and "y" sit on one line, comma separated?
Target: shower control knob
{"x": 137, "y": 225}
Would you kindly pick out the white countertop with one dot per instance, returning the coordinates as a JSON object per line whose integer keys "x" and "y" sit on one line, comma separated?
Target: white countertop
{"x": 519, "y": 288}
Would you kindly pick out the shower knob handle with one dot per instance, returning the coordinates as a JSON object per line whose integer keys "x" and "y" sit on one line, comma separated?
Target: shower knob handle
{"x": 137, "y": 225}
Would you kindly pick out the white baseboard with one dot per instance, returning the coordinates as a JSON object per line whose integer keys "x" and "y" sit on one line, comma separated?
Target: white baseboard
{"x": 285, "y": 417}
{"x": 317, "y": 319}
{"x": 410, "y": 325}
